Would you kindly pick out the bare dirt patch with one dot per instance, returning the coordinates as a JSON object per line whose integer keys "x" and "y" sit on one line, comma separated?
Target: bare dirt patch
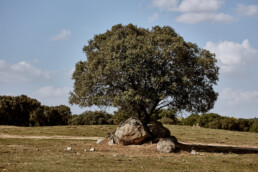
{"x": 5, "y": 136}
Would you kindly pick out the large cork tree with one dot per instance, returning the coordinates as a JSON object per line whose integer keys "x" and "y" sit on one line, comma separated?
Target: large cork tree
{"x": 144, "y": 70}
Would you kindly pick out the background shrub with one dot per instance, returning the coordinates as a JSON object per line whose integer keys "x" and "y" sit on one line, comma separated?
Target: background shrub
{"x": 191, "y": 120}
{"x": 167, "y": 116}
{"x": 254, "y": 127}
{"x": 229, "y": 124}
{"x": 122, "y": 114}
{"x": 166, "y": 121}
{"x": 205, "y": 119}
{"x": 91, "y": 118}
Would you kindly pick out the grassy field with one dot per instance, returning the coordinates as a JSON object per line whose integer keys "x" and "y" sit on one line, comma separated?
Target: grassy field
{"x": 51, "y": 154}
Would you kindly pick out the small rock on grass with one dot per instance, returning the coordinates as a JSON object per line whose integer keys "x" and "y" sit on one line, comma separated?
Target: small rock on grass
{"x": 92, "y": 149}
{"x": 99, "y": 141}
{"x": 69, "y": 148}
{"x": 111, "y": 142}
{"x": 193, "y": 152}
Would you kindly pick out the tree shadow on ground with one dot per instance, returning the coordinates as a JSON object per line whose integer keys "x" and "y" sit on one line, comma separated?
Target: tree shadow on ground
{"x": 215, "y": 148}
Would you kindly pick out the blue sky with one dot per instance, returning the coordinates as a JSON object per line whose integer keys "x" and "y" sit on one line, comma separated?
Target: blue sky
{"x": 40, "y": 42}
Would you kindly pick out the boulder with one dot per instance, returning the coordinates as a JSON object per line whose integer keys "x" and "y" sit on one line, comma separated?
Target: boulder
{"x": 166, "y": 145}
{"x": 130, "y": 132}
{"x": 158, "y": 130}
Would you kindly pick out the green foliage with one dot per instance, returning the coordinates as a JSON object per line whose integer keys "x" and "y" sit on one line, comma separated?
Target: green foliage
{"x": 215, "y": 121}
{"x": 216, "y": 124}
{"x": 244, "y": 124}
{"x": 145, "y": 70}
{"x": 122, "y": 114}
{"x": 168, "y": 116}
{"x": 24, "y": 111}
{"x": 167, "y": 121}
{"x": 50, "y": 116}
{"x": 205, "y": 119}
{"x": 91, "y": 118}
{"x": 254, "y": 127}
{"x": 16, "y": 110}
{"x": 191, "y": 119}
{"x": 229, "y": 124}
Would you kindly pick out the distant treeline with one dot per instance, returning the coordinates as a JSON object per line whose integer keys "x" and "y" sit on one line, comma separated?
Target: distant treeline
{"x": 215, "y": 121}
{"x": 25, "y": 111}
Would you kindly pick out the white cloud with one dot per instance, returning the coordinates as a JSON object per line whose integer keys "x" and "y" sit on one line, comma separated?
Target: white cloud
{"x": 195, "y": 11}
{"x": 188, "y": 6}
{"x": 21, "y": 72}
{"x": 153, "y": 18}
{"x": 231, "y": 97}
{"x": 237, "y": 102}
{"x": 248, "y": 10}
{"x": 199, "y": 5}
{"x": 64, "y": 34}
{"x": 51, "y": 92}
{"x": 234, "y": 58}
{"x": 52, "y": 96}
{"x": 167, "y": 5}
{"x": 193, "y": 18}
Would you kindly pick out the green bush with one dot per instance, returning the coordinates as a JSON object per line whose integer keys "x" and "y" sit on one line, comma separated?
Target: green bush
{"x": 122, "y": 114}
{"x": 254, "y": 127}
{"x": 91, "y": 118}
{"x": 216, "y": 124}
{"x": 15, "y": 110}
{"x": 229, "y": 124}
{"x": 167, "y": 121}
{"x": 50, "y": 116}
{"x": 244, "y": 124}
{"x": 205, "y": 119}
{"x": 167, "y": 115}
{"x": 191, "y": 120}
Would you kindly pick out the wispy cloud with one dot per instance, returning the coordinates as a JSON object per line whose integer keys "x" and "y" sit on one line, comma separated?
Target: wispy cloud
{"x": 247, "y": 10}
{"x": 234, "y": 58}
{"x": 21, "y": 72}
{"x": 153, "y": 18}
{"x": 188, "y": 6}
{"x": 62, "y": 35}
{"x": 239, "y": 103}
{"x": 238, "y": 97}
{"x": 194, "y": 11}
{"x": 193, "y": 18}
{"x": 52, "y": 96}
{"x": 165, "y": 5}
{"x": 51, "y": 92}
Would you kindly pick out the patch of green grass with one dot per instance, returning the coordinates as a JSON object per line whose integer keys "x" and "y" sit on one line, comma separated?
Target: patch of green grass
{"x": 206, "y": 135}
{"x": 85, "y": 130}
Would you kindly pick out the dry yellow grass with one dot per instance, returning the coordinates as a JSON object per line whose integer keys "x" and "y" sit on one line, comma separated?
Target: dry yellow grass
{"x": 51, "y": 154}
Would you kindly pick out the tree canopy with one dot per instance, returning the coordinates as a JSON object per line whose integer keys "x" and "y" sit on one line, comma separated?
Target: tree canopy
{"x": 144, "y": 70}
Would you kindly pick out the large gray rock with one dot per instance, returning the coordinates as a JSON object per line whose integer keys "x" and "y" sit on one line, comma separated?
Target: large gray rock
{"x": 130, "y": 132}
{"x": 158, "y": 130}
{"x": 166, "y": 145}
